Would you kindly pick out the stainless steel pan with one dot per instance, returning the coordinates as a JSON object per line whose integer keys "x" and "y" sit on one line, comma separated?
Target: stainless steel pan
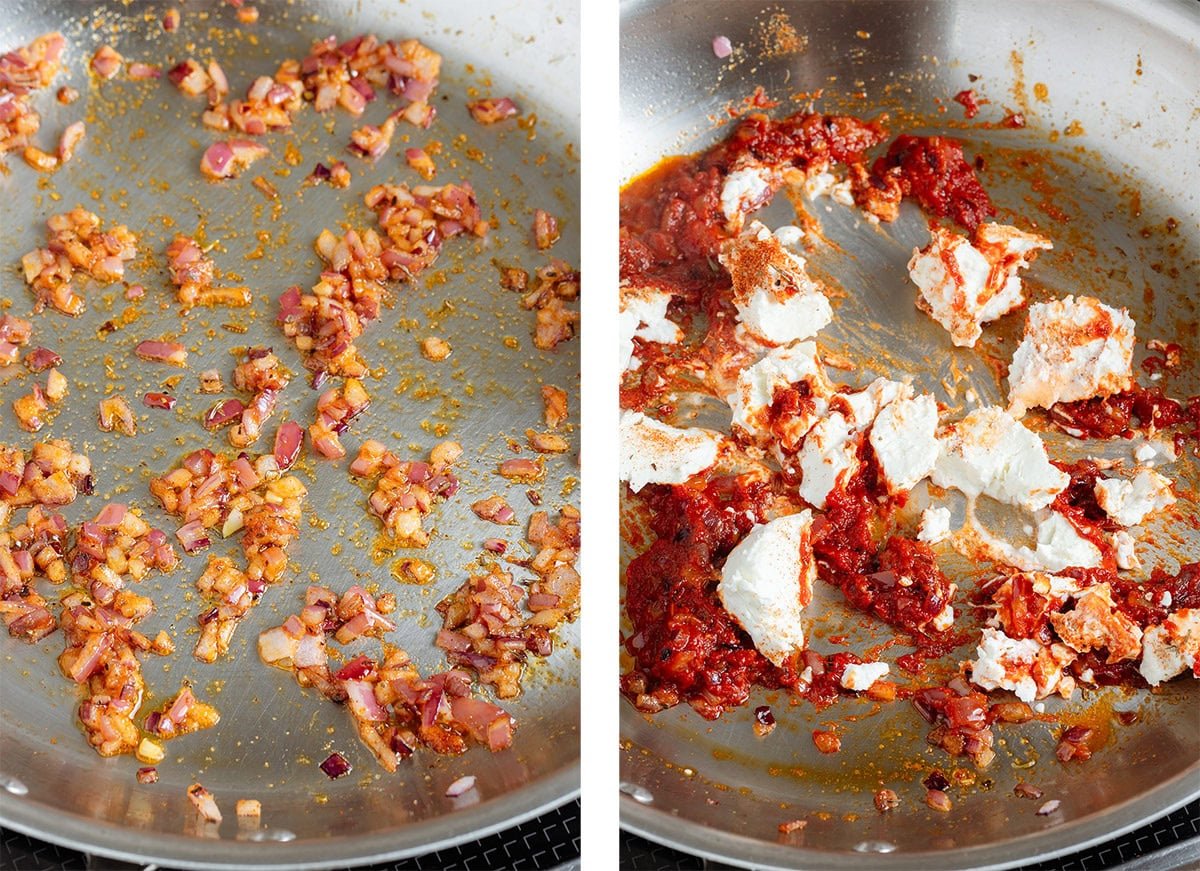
{"x": 139, "y": 166}
{"x": 1120, "y": 115}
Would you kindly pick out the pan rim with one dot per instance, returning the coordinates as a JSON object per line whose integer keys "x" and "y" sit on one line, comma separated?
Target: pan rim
{"x": 677, "y": 832}
{"x": 98, "y": 838}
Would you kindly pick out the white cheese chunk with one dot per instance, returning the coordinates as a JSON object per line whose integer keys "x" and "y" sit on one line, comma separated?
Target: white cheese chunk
{"x": 859, "y": 677}
{"x": 1126, "y": 552}
{"x": 861, "y": 407}
{"x": 1073, "y": 348}
{"x": 1060, "y": 546}
{"x": 826, "y": 184}
{"x": 987, "y": 452}
{"x": 828, "y": 458}
{"x": 745, "y": 190}
{"x": 935, "y": 524}
{"x": 964, "y": 286}
{"x": 905, "y": 443}
{"x": 793, "y": 365}
{"x": 1172, "y": 647}
{"x": 776, "y": 300}
{"x": 1128, "y": 502}
{"x": 1022, "y": 665}
{"x": 1155, "y": 452}
{"x": 644, "y": 316}
{"x": 767, "y": 581}
{"x": 944, "y": 619}
{"x": 653, "y": 452}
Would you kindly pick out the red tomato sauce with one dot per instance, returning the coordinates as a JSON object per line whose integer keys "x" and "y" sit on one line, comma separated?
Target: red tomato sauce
{"x": 933, "y": 169}
{"x": 1128, "y": 413}
{"x": 686, "y": 645}
{"x": 802, "y": 140}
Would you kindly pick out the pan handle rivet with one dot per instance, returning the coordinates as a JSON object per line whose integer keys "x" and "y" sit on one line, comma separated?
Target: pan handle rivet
{"x": 637, "y": 793}
{"x": 13, "y": 785}
{"x": 875, "y": 847}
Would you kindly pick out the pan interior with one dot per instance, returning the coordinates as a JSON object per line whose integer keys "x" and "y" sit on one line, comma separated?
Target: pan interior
{"x": 139, "y": 167}
{"x": 1106, "y": 168}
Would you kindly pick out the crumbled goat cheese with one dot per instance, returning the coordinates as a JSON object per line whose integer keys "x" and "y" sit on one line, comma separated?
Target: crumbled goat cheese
{"x": 766, "y": 582}
{"x": 776, "y": 301}
{"x": 657, "y": 453}
{"x": 1128, "y": 502}
{"x": 963, "y": 286}
{"x": 1073, "y": 348}
{"x": 987, "y": 452}
{"x": 935, "y": 524}
{"x": 644, "y": 316}
{"x": 858, "y": 677}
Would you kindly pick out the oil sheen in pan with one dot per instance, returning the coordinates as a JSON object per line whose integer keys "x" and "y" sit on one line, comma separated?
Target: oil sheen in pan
{"x": 139, "y": 166}
{"x": 712, "y": 788}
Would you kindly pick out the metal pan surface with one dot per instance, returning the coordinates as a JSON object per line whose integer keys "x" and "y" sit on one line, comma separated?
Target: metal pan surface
{"x": 1112, "y": 124}
{"x": 139, "y": 166}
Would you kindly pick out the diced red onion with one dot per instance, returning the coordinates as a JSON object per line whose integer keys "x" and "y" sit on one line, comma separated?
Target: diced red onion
{"x": 542, "y": 601}
{"x": 24, "y": 561}
{"x": 204, "y": 803}
{"x": 360, "y": 695}
{"x": 247, "y": 478}
{"x": 162, "y": 352}
{"x": 310, "y": 651}
{"x": 180, "y": 707}
{"x": 193, "y": 536}
{"x": 356, "y": 668}
{"x": 138, "y": 70}
{"x": 288, "y": 440}
{"x": 9, "y": 483}
{"x": 276, "y": 645}
{"x": 722, "y": 47}
{"x": 111, "y": 514}
{"x": 90, "y": 657}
